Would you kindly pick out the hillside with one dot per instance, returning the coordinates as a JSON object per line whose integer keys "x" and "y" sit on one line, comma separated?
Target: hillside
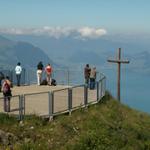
{"x": 106, "y": 126}
{"x": 13, "y": 52}
{"x": 75, "y": 51}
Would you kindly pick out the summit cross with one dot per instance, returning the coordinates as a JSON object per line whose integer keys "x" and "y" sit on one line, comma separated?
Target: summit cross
{"x": 118, "y": 61}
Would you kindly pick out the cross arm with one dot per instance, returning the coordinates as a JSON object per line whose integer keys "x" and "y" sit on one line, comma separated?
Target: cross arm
{"x": 118, "y": 61}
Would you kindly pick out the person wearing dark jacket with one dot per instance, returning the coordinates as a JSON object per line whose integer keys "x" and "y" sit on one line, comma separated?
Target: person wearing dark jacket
{"x": 39, "y": 72}
{"x": 87, "y": 71}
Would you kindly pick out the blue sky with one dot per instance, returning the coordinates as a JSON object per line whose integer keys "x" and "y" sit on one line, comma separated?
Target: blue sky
{"x": 112, "y": 15}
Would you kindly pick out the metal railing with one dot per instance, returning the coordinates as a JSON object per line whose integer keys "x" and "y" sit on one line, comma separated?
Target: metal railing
{"x": 15, "y": 104}
{"x": 62, "y": 76}
{"x": 52, "y": 103}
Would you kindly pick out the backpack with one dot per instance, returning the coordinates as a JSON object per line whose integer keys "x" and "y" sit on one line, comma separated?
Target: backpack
{"x": 44, "y": 82}
{"x": 53, "y": 82}
{"x": 6, "y": 88}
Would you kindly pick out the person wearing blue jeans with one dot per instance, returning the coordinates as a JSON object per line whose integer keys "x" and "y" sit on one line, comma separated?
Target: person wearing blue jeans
{"x": 87, "y": 71}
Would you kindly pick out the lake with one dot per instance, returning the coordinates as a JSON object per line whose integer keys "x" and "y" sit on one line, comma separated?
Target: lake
{"x": 135, "y": 88}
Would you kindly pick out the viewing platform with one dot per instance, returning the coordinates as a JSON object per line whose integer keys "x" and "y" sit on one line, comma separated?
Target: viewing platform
{"x": 44, "y": 100}
{"x": 48, "y": 100}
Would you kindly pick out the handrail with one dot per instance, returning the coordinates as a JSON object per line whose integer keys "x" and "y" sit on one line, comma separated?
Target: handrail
{"x": 100, "y": 92}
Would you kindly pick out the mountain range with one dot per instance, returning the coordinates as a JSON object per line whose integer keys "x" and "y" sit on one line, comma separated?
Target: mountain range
{"x": 24, "y": 52}
{"x": 70, "y": 51}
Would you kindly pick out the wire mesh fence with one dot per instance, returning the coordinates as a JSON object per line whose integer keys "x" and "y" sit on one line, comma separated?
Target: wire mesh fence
{"x": 62, "y": 76}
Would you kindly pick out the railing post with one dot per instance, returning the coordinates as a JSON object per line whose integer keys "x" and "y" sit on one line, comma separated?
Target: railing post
{"x": 28, "y": 74}
{"x": 70, "y": 100}
{"x": 97, "y": 91}
{"x": 21, "y": 107}
{"x": 85, "y": 95}
{"x": 51, "y": 105}
{"x": 23, "y": 81}
{"x": 24, "y": 104}
{"x": 68, "y": 76}
{"x": 104, "y": 85}
{"x": 11, "y": 76}
{"x": 101, "y": 88}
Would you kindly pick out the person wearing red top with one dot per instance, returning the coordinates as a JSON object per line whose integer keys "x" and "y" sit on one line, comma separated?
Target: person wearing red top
{"x": 48, "y": 70}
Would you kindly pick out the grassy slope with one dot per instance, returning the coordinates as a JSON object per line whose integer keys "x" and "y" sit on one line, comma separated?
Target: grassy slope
{"x": 106, "y": 126}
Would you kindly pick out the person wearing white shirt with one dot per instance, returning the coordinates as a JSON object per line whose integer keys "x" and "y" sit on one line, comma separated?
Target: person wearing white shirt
{"x": 18, "y": 71}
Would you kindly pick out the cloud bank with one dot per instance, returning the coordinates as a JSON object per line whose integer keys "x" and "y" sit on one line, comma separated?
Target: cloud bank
{"x": 58, "y": 32}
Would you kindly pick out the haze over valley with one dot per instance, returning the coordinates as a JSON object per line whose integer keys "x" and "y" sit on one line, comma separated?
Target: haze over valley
{"x": 70, "y": 51}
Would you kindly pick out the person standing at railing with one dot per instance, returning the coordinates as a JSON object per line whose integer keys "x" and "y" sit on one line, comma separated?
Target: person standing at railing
{"x": 92, "y": 78}
{"x": 48, "y": 70}
{"x": 18, "y": 70}
{"x": 87, "y": 71}
{"x": 39, "y": 72}
{"x": 6, "y": 84}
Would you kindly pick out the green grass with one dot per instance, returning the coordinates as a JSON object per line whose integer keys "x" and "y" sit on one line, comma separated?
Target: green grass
{"x": 108, "y": 125}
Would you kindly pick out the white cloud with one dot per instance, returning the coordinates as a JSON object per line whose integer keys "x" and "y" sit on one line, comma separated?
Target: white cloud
{"x": 87, "y": 32}
{"x": 57, "y": 32}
